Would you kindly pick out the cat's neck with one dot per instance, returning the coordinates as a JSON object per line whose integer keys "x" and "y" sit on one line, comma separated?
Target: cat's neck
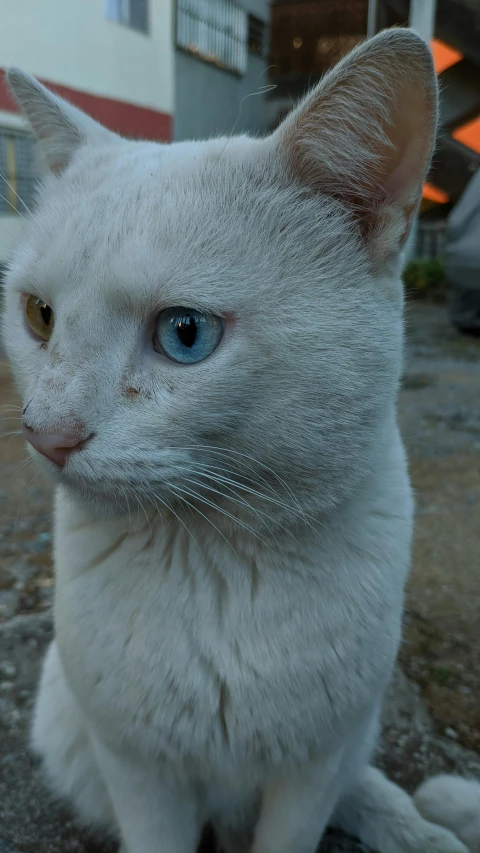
{"x": 230, "y": 543}
{"x": 144, "y": 536}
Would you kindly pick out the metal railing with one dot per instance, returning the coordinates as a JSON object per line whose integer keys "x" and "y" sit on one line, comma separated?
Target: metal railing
{"x": 214, "y": 30}
{"x": 17, "y": 178}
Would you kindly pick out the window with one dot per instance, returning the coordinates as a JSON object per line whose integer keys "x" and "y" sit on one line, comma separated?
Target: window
{"x": 256, "y": 36}
{"x": 307, "y": 38}
{"x": 133, "y": 13}
{"x": 17, "y": 178}
{"x": 214, "y": 30}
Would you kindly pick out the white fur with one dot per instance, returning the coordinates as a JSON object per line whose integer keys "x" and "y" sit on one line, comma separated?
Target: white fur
{"x": 232, "y": 542}
{"x": 455, "y": 803}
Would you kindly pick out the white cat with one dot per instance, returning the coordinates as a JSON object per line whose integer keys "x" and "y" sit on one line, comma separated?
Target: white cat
{"x": 207, "y": 337}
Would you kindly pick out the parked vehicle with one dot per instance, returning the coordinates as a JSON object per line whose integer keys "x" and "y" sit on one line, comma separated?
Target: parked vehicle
{"x": 462, "y": 259}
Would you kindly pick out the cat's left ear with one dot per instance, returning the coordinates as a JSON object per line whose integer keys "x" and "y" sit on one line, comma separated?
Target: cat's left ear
{"x": 365, "y": 135}
{"x": 60, "y": 128}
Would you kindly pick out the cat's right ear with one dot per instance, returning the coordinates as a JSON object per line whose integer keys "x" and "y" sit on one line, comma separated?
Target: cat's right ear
{"x": 60, "y": 128}
{"x": 365, "y": 135}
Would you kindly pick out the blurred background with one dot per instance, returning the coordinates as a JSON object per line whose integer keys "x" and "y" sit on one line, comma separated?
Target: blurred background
{"x": 181, "y": 69}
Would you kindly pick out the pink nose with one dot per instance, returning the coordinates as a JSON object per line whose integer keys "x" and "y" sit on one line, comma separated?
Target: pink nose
{"x": 54, "y": 447}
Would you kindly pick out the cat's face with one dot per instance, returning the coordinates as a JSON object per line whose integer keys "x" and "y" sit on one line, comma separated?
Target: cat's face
{"x": 214, "y": 324}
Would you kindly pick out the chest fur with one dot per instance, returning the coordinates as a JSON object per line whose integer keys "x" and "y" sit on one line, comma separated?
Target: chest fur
{"x": 167, "y": 651}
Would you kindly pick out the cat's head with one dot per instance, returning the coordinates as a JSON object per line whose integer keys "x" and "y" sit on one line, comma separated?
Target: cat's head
{"x": 222, "y": 319}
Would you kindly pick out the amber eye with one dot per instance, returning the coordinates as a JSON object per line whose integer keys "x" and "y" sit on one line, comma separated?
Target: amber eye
{"x": 40, "y": 317}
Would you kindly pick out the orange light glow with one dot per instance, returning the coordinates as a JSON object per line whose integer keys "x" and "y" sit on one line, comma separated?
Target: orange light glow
{"x": 469, "y": 134}
{"x": 433, "y": 193}
{"x": 444, "y": 56}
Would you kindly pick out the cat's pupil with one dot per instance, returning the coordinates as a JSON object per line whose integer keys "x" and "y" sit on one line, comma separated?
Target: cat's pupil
{"x": 187, "y": 330}
{"x": 46, "y": 313}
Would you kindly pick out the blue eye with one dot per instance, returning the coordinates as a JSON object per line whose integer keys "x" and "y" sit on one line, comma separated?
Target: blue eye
{"x": 186, "y": 335}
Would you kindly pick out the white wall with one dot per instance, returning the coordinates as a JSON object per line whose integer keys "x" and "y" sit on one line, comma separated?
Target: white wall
{"x": 70, "y": 42}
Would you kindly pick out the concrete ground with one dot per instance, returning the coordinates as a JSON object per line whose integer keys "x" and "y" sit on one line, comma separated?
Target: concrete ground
{"x": 432, "y": 721}
{"x": 440, "y": 419}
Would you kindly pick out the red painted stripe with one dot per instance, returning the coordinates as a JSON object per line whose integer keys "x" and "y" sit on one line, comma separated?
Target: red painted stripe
{"x": 128, "y": 119}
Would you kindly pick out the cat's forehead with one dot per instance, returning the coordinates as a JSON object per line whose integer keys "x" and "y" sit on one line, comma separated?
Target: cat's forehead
{"x": 154, "y": 214}
{"x": 145, "y": 170}
{"x": 135, "y": 189}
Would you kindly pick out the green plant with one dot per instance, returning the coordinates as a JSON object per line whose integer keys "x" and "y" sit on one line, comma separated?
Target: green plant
{"x": 425, "y": 278}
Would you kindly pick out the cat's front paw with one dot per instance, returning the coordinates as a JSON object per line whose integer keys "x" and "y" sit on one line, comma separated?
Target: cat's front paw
{"x": 440, "y": 840}
{"x": 452, "y": 802}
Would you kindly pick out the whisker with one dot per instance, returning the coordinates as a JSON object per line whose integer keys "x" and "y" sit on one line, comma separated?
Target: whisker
{"x": 14, "y": 209}
{"x": 6, "y": 229}
{"x": 124, "y": 493}
{"x": 145, "y": 514}
{"x": 244, "y": 503}
{"x": 306, "y": 519}
{"x": 196, "y": 496}
{"x": 4, "y": 177}
{"x": 223, "y": 450}
{"x": 224, "y": 469}
{"x": 17, "y": 211}
{"x": 222, "y": 453}
{"x": 261, "y": 90}
{"x": 233, "y": 496}
{"x": 208, "y": 520}
{"x": 170, "y": 509}
{"x": 205, "y": 471}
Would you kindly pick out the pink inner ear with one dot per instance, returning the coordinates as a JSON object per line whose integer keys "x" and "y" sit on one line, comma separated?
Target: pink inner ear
{"x": 365, "y": 134}
{"x": 402, "y": 185}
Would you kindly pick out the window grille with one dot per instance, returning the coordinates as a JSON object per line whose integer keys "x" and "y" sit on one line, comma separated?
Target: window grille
{"x": 215, "y": 31}
{"x": 17, "y": 178}
{"x": 256, "y": 36}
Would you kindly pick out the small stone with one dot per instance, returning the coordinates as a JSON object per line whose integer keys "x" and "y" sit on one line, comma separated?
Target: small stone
{"x": 6, "y": 686}
{"x": 451, "y": 733}
{"x": 465, "y": 690}
{"x": 44, "y": 537}
{"x": 9, "y": 600}
{"x": 8, "y": 670}
{"x": 15, "y": 716}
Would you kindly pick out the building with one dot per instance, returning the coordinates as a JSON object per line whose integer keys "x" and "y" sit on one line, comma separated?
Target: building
{"x": 225, "y": 91}
{"x": 152, "y": 69}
